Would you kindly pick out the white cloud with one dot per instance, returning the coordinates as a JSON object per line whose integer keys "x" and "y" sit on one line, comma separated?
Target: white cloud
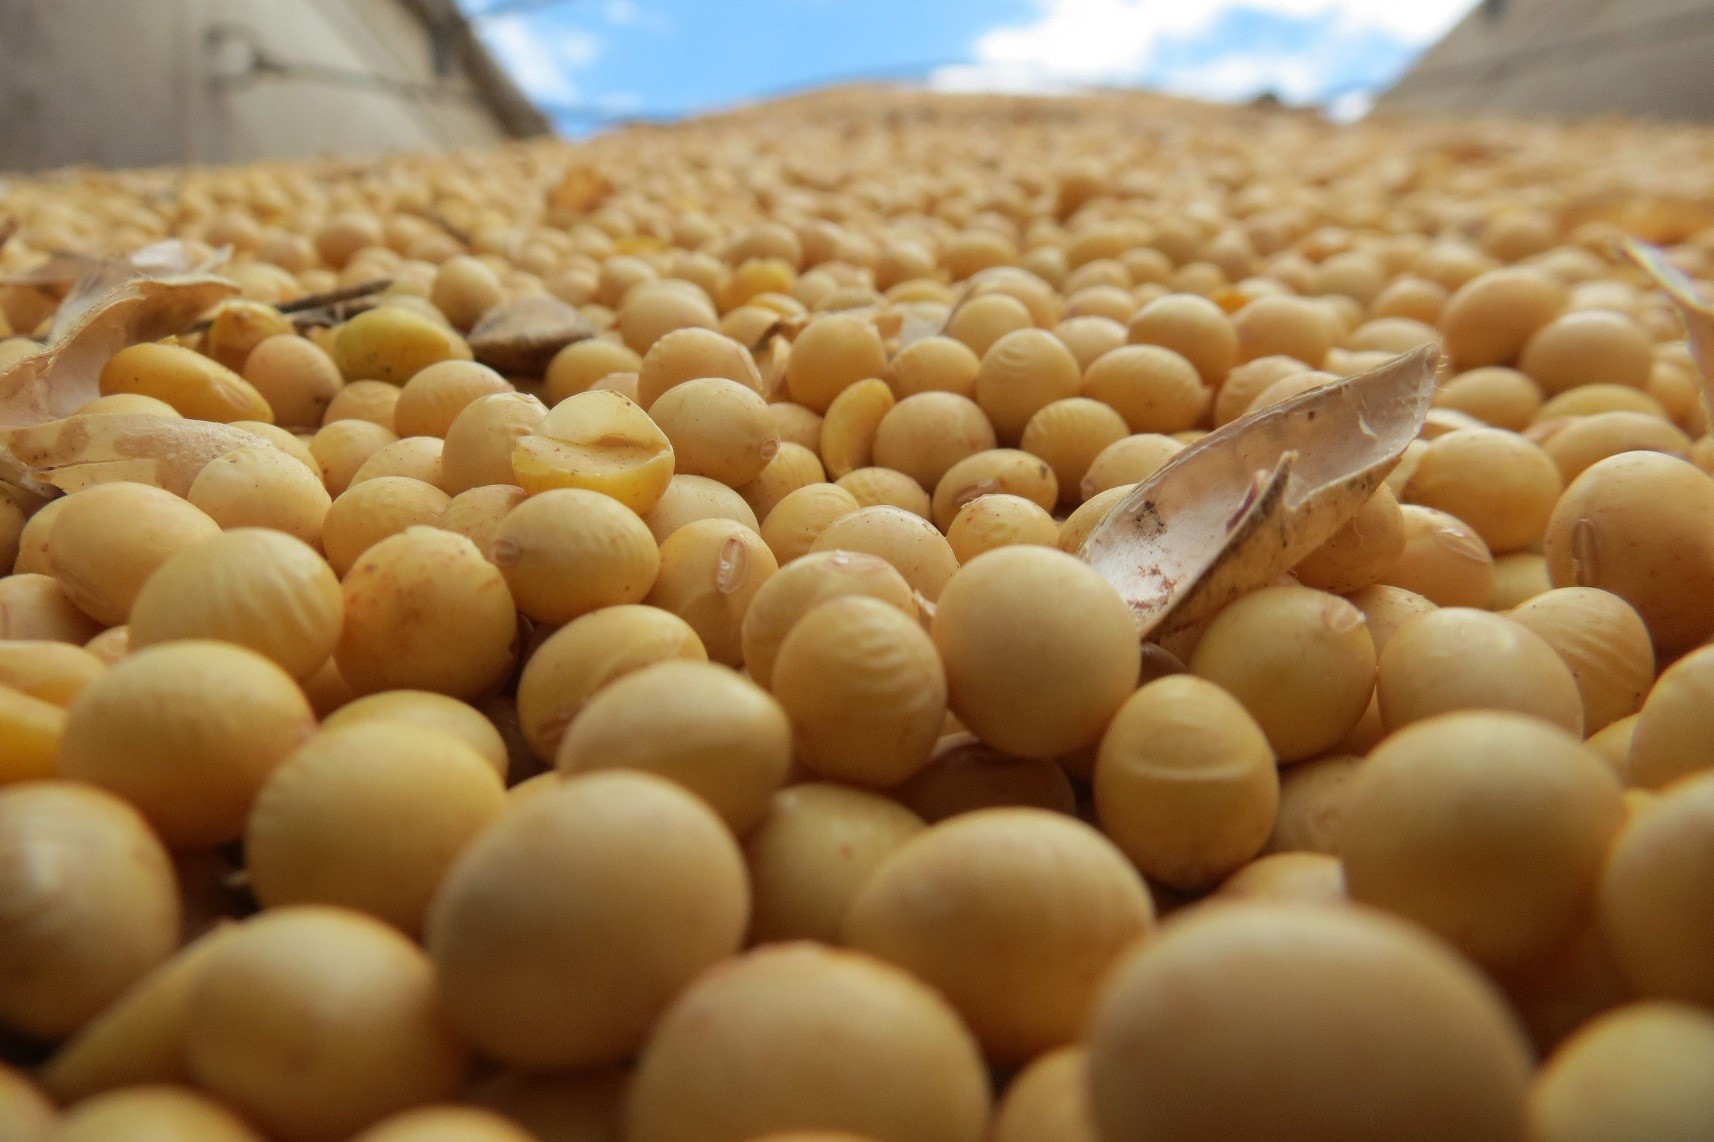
{"x": 1239, "y": 75}
{"x": 1081, "y": 42}
{"x": 628, "y": 14}
{"x": 542, "y": 60}
{"x": 621, "y": 13}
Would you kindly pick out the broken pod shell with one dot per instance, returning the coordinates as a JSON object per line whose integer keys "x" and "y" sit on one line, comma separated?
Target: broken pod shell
{"x": 1244, "y": 504}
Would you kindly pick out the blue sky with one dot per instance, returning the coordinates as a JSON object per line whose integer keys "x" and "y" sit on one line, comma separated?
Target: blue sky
{"x": 599, "y": 59}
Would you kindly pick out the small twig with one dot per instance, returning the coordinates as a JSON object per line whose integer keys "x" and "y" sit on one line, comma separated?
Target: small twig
{"x": 456, "y": 233}
{"x": 333, "y": 314}
{"x": 335, "y": 296}
{"x": 309, "y": 303}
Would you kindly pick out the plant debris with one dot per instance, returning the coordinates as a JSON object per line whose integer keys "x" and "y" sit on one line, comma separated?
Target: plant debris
{"x": 1241, "y": 506}
{"x": 154, "y": 293}
{"x": 81, "y": 451}
{"x": 520, "y": 337}
{"x": 1696, "y": 310}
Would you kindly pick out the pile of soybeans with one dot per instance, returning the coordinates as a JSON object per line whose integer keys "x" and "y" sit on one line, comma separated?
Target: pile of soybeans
{"x": 590, "y": 642}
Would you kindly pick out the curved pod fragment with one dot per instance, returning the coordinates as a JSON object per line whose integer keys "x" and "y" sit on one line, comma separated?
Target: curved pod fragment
{"x": 1240, "y": 506}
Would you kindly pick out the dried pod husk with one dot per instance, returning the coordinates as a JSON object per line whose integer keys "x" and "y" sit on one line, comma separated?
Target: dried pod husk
{"x": 81, "y": 451}
{"x": 918, "y": 320}
{"x": 153, "y": 293}
{"x": 1696, "y": 310}
{"x": 56, "y": 276}
{"x": 1241, "y": 506}
{"x": 520, "y": 337}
